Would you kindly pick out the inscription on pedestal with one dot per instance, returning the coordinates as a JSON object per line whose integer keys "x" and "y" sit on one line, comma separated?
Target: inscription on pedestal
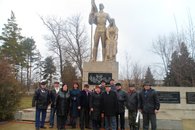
{"x": 96, "y": 78}
{"x": 169, "y": 97}
{"x": 190, "y": 97}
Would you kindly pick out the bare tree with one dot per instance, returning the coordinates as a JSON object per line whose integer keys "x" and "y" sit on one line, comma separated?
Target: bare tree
{"x": 76, "y": 39}
{"x": 55, "y": 39}
{"x": 164, "y": 47}
{"x": 191, "y": 35}
{"x": 138, "y": 73}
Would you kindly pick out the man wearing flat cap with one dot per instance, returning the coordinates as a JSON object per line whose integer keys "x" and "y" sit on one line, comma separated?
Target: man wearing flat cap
{"x": 121, "y": 98}
{"x": 41, "y": 101}
{"x": 149, "y": 105}
{"x": 132, "y": 101}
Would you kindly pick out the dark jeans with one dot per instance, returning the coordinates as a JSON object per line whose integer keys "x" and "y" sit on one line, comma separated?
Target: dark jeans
{"x": 73, "y": 121}
{"x": 122, "y": 120}
{"x": 96, "y": 124}
{"x": 132, "y": 120}
{"x": 61, "y": 122}
{"x": 149, "y": 117}
{"x": 84, "y": 118}
{"x": 52, "y": 115}
{"x": 110, "y": 122}
{"x": 42, "y": 113}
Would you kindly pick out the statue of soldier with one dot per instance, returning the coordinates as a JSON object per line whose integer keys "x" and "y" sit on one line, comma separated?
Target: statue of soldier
{"x": 99, "y": 18}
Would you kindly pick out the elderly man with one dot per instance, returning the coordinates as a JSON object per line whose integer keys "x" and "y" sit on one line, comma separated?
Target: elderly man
{"x": 41, "y": 100}
{"x": 149, "y": 105}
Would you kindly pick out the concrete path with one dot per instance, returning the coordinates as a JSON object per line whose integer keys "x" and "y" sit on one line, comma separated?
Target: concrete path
{"x": 22, "y": 125}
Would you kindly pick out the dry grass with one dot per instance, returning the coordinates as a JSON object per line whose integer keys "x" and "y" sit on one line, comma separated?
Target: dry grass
{"x": 26, "y": 102}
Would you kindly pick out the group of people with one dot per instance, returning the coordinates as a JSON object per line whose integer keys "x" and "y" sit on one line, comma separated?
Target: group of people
{"x": 103, "y": 107}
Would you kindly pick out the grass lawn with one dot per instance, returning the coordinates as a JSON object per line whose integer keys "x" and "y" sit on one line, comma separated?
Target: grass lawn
{"x": 26, "y": 102}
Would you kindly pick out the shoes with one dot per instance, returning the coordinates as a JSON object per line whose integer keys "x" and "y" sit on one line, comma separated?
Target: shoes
{"x": 43, "y": 127}
{"x": 37, "y": 128}
{"x": 51, "y": 126}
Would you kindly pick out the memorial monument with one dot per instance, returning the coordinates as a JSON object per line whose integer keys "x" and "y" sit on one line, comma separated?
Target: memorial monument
{"x": 94, "y": 71}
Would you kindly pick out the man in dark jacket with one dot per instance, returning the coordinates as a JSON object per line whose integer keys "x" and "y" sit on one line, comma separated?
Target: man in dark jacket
{"x": 109, "y": 107}
{"x": 41, "y": 100}
{"x": 132, "y": 100}
{"x": 95, "y": 106}
{"x": 84, "y": 103}
{"x": 121, "y": 97}
{"x": 53, "y": 95}
{"x": 149, "y": 105}
{"x": 112, "y": 85}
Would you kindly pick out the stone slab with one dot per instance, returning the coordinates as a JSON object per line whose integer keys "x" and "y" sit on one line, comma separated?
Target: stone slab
{"x": 29, "y": 115}
{"x": 100, "y": 67}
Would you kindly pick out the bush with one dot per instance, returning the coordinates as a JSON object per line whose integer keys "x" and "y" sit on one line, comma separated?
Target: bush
{"x": 9, "y": 91}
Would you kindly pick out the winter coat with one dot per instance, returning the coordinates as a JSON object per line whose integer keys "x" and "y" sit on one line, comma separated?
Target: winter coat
{"x": 74, "y": 102}
{"x": 132, "y": 100}
{"x": 62, "y": 103}
{"x": 95, "y": 103}
{"x": 41, "y": 98}
{"x": 53, "y": 95}
{"x": 113, "y": 87}
{"x": 149, "y": 101}
{"x": 109, "y": 103}
{"x": 84, "y": 99}
{"x": 121, "y": 98}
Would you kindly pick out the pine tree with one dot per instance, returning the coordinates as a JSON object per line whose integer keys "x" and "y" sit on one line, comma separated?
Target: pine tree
{"x": 149, "y": 77}
{"x": 30, "y": 52}
{"x": 11, "y": 48}
{"x": 11, "y": 38}
{"x": 181, "y": 68}
{"x": 49, "y": 69}
{"x": 69, "y": 73}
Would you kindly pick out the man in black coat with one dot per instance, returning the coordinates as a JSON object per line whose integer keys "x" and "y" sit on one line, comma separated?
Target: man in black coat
{"x": 149, "y": 105}
{"x": 121, "y": 98}
{"x": 41, "y": 101}
{"x": 84, "y": 111}
{"x": 109, "y": 107}
{"x": 95, "y": 106}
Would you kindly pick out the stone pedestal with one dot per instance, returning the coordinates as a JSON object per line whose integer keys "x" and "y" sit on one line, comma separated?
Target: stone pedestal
{"x": 100, "y": 67}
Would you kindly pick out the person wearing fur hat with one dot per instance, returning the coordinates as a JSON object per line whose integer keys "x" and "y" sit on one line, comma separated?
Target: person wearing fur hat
{"x": 109, "y": 107}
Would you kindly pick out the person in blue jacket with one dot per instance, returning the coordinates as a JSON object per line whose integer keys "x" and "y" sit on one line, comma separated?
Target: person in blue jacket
{"x": 74, "y": 104}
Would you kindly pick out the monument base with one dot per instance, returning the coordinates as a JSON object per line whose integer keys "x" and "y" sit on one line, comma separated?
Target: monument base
{"x": 101, "y": 68}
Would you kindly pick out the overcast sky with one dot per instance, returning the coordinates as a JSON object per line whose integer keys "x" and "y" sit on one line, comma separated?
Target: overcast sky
{"x": 140, "y": 22}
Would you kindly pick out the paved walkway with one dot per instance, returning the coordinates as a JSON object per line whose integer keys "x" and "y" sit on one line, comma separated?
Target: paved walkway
{"x": 22, "y": 125}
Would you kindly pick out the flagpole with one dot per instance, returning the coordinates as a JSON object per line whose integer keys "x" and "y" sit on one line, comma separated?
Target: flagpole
{"x": 91, "y": 41}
